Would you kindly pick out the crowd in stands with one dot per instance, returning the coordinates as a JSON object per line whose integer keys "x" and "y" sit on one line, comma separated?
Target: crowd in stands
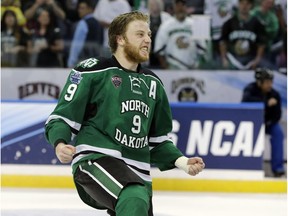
{"x": 244, "y": 34}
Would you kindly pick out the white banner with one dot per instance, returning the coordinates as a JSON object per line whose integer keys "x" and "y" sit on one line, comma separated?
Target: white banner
{"x": 32, "y": 84}
{"x": 201, "y": 86}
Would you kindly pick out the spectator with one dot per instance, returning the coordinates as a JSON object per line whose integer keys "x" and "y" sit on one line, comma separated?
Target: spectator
{"x": 262, "y": 91}
{"x": 14, "y": 41}
{"x": 195, "y": 7}
{"x": 219, "y": 11}
{"x": 157, "y": 17}
{"x": 281, "y": 12}
{"x": 68, "y": 25}
{"x": 32, "y": 7}
{"x": 169, "y": 6}
{"x": 140, "y": 5}
{"x": 242, "y": 40}
{"x": 48, "y": 43}
{"x": 266, "y": 14}
{"x": 88, "y": 36}
{"x": 174, "y": 44}
{"x": 14, "y": 5}
{"x": 105, "y": 12}
{"x": 70, "y": 8}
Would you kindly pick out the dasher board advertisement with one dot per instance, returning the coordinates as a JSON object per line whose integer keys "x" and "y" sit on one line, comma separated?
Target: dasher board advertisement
{"x": 227, "y": 136}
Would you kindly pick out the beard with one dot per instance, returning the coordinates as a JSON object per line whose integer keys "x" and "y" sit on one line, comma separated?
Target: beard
{"x": 132, "y": 53}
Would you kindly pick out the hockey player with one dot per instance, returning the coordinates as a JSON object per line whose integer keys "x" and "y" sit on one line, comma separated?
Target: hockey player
{"x": 120, "y": 115}
{"x": 262, "y": 91}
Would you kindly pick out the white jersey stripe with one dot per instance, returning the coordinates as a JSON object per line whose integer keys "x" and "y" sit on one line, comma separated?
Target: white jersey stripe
{"x": 85, "y": 147}
{"x": 72, "y": 124}
{"x": 110, "y": 152}
{"x": 159, "y": 139}
{"x": 141, "y": 175}
{"x": 79, "y": 157}
{"x": 108, "y": 174}
{"x": 98, "y": 182}
{"x": 96, "y": 71}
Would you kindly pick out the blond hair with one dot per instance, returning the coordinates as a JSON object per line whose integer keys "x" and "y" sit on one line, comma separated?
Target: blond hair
{"x": 119, "y": 25}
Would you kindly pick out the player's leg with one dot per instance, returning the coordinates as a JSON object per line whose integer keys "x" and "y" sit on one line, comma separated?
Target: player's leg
{"x": 100, "y": 182}
{"x": 133, "y": 201}
{"x": 124, "y": 201}
{"x": 92, "y": 188}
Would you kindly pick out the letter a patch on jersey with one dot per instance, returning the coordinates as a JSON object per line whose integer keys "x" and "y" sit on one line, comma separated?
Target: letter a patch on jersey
{"x": 116, "y": 80}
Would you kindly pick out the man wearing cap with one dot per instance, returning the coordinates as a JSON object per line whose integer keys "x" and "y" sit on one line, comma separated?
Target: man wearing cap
{"x": 262, "y": 91}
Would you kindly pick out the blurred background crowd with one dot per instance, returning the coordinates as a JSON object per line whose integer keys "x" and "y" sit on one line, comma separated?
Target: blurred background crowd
{"x": 244, "y": 34}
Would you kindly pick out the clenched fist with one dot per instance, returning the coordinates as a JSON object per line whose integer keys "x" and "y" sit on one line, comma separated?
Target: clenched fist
{"x": 192, "y": 166}
{"x": 196, "y": 165}
{"x": 65, "y": 152}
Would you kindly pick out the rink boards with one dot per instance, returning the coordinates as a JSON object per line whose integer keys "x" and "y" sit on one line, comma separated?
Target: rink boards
{"x": 229, "y": 137}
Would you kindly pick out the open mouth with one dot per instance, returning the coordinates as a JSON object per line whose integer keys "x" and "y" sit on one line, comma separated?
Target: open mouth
{"x": 144, "y": 50}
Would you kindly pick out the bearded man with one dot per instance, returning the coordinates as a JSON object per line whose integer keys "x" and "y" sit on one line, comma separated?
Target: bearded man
{"x": 119, "y": 116}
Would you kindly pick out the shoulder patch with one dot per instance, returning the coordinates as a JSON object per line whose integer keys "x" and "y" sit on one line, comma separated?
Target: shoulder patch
{"x": 88, "y": 63}
{"x": 75, "y": 77}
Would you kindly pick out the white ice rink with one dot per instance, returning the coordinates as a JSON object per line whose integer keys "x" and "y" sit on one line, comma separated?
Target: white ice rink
{"x": 65, "y": 202}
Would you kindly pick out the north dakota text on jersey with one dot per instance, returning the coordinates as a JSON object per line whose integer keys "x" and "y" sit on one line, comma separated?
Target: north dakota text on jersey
{"x": 135, "y": 105}
{"x": 131, "y": 141}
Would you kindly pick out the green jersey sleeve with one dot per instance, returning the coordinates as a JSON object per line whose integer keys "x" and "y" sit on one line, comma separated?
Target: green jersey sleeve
{"x": 163, "y": 153}
{"x": 68, "y": 115}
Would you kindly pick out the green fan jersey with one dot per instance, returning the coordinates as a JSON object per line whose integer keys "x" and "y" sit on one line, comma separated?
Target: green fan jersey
{"x": 108, "y": 110}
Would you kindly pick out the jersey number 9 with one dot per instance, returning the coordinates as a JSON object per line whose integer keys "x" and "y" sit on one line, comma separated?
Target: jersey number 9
{"x": 70, "y": 92}
{"x": 137, "y": 124}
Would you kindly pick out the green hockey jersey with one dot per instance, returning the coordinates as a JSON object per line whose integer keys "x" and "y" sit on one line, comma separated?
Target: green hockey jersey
{"x": 106, "y": 109}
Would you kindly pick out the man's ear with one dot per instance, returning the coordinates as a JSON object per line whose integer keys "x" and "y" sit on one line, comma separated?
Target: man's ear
{"x": 120, "y": 40}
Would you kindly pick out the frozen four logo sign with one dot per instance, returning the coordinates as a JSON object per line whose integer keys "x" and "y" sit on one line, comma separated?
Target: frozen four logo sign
{"x": 188, "y": 88}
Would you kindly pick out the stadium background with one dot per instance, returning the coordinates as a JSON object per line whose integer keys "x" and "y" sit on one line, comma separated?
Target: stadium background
{"x": 227, "y": 134}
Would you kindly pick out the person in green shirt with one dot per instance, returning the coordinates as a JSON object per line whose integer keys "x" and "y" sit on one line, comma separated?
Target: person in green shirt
{"x": 112, "y": 122}
{"x": 266, "y": 15}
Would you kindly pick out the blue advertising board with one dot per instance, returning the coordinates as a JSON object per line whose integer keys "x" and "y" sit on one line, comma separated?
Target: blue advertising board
{"x": 227, "y": 136}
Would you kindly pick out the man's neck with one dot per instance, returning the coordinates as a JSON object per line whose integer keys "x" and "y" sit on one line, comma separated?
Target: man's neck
{"x": 124, "y": 62}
